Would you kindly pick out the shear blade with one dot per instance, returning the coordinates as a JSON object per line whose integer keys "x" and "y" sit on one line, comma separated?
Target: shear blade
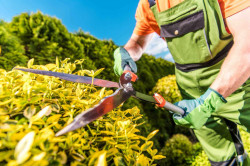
{"x": 74, "y": 78}
{"x": 106, "y": 105}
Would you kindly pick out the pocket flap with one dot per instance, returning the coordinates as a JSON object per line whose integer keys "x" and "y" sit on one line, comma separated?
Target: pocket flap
{"x": 183, "y": 26}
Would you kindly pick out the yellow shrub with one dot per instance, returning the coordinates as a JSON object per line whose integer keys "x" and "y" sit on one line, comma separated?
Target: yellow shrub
{"x": 167, "y": 87}
{"x": 34, "y": 107}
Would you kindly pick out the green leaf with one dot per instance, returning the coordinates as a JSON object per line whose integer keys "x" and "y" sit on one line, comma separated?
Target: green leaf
{"x": 152, "y": 134}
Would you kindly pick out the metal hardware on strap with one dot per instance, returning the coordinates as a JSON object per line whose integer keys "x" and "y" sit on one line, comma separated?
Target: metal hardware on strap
{"x": 241, "y": 158}
{"x": 194, "y": 66}
{"x": 235, "y": 134}
{"x": 151, "y": 2}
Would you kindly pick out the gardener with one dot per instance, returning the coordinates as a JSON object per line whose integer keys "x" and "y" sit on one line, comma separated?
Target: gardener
{"x": 210, "y": 43}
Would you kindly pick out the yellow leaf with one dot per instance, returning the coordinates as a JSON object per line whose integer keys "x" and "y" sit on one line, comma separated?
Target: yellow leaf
{"x": 41, "y": 113}
{"x": 62, "y": 157}
{"x": 23, "y": 147}
{"x": 53, "y": 118}
{"x": 102, "y": 159}
{"x": 152, "y": 134}
{"x": 142, "y": 161}
{"x": 112, "y": 152}
{"x": 57, "y": 62}
{"x": 50, "y": 66}
{"x": 102, "y": 92}
{"x": 98, "y": 72}
{"x": 80, "y": 61}
{"x": 135, "y": 147}
{"x": 119, "y": 161}
{"x": 6, "y": 102}
{"x": 39, "y": 156}
{"x": 77, "y": 156}
{"x": 123, "y": 124}
{"x": 158, "y": 157}
{"x": 5, "y": 155}
{"x": 0, "y": 50}
{"x": 147, "y": 145}
{"x": 30, "y": 62}
{"x": 120, "y": 146}
{"x": 29, "y": 111}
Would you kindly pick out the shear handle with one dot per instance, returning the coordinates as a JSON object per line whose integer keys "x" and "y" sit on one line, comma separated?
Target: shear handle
{"x": 169, "y": 106}
{"x": 127, "y": 69}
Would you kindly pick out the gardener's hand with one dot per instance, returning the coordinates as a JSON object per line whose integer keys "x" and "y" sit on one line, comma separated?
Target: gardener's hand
{"x": 199, "y": 110}
{"x": 122, "y": 58}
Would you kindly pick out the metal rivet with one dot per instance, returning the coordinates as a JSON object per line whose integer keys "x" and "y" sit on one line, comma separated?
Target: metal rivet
{"x": 176, "y": 32}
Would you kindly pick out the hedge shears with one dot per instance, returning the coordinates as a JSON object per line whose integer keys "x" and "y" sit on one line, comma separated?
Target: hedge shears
{"x": 125, "y": 90}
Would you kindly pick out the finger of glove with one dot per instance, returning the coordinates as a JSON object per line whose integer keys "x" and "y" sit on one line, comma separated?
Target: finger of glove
{"x": 179, "y": 120}
{"x": 118, "y": 70}
{"x": 131, "y": 64}
{"x": 118, "y": 61}
{"x": 195, "y": 119}
{"x": 189, "y": 105}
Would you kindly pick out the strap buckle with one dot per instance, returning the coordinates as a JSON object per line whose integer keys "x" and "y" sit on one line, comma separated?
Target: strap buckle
{"x": 241, "y": 158}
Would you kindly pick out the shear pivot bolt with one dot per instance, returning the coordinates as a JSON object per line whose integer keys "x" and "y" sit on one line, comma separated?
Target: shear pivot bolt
{"x": 176, "y": 32}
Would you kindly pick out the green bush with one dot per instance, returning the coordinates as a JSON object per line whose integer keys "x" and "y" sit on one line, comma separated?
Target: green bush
{"x": 34, "y": 107}
{"x": 177, "y": 149}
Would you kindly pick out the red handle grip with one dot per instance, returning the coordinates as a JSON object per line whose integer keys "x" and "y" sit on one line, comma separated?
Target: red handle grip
{"x": 133, "y": 75}
{"x": 161, "y": 101}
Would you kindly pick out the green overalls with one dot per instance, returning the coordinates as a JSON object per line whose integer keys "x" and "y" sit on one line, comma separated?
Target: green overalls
{"x": 198, "y": 41}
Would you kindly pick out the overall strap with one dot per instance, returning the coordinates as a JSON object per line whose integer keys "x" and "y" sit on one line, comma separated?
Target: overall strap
{"x": 241, "y": 154}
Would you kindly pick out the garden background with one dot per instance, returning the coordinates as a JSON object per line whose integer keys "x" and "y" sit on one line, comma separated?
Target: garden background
{"x": 33, "y": 108}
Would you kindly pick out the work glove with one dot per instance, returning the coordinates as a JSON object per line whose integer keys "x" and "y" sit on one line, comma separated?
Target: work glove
{"x": 122, "y": 58}
{"x": 197, "y": 111}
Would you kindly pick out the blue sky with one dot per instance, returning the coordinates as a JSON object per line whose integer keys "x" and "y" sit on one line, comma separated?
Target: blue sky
{"x": 111, "y": 19}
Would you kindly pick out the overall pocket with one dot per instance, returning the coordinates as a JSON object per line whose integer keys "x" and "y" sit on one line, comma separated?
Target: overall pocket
{"x": 187, "y": 40}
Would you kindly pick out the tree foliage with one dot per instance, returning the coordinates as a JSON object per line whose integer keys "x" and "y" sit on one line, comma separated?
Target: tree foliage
{"x": 12, "y": 52}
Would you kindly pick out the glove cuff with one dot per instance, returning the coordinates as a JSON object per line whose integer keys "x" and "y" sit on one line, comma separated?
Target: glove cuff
{"x": 221, "y": 97}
